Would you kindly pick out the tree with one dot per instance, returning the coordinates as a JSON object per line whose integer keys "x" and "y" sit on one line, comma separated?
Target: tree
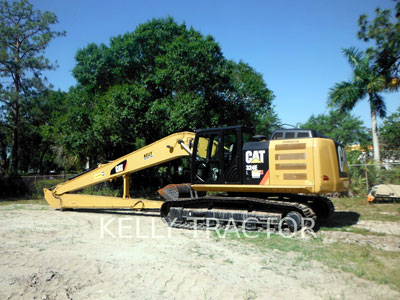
{"x": 4, "y": 142}
{"x": 118, "y": 119}
{"x": 342, "y": 127}
{"x": 385, "y": 31}
{"x": 366, "y": 82}
{"x": 390, "y": 135}
{"x": 161, "y": 78}
{"x": 40, "y": 134}
{"x": 73, "y": 130}
{"x": 24, "y": 35}
{"x": 252, "y": 98}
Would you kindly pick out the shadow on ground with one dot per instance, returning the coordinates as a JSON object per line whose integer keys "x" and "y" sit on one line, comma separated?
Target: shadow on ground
{"x": 337, "y": 220}
{"x": 127, "y": 212}
{"x": 341, "y": 219}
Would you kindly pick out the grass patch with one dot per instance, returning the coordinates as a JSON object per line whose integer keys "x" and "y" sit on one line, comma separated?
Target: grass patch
{"x": 24, "y": 207}
{"x": 11, "y": 201}
{"x": 377, "y": 212}
{"x": 356, "y": 230}
{"x": 365, "y": 262}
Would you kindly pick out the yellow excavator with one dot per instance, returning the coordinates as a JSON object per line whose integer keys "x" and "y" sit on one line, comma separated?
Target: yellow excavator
{"x": 234, "y": 176}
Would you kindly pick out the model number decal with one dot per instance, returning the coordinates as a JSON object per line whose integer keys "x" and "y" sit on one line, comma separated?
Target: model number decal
{"x": 251, "y": 167}
{"x": 98, "y": 175}
{"x": 148, "y": 155}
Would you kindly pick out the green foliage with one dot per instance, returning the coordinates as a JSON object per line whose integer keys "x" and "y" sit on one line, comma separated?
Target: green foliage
{"x": 384, "y": 30}
{"x": 365, "y": 82}
{"x": 360, "y": 208}
{"x": 250, "y": 99}
{"x": 17, "y": 186}
{"x": 102, "y": 190}
{"x": 38, "y": 134}
{"x": 25, "y": 33}
{"x": 161, "y": 78}
{"x": 390, "y": 176}
{"x": 13, "y": 186}
{"x": 363, "y": 261}
{"x": 342, "y": 127}
{"x": 390, "y": 135}
{"x": 36, "y": 187}
{"x": 73, "y": 131}
{"x": 118, "y": 118}
{"x": 359, "y": 174}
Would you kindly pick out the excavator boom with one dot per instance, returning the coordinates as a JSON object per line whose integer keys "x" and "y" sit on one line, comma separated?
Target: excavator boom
{"x": 169, "y": 148}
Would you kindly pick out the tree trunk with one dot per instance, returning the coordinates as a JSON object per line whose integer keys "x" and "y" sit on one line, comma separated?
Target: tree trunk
{"x": 15, "y": 148}
{"x": 375, "y": 140}
{"x": 3, "y": 156}
{"x": 17, "y": 82}
{"x": 42, "y": 167}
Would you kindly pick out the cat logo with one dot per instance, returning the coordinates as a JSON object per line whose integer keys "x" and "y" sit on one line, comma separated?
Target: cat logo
{"x": 255, "y": 157}
{"x": 119, "y": 168}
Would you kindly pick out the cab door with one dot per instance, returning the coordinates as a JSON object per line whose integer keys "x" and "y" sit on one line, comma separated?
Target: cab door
{"x": 206, "y": 159}
{"x": 231, "y": 150}
{"x": 217, "y": 156}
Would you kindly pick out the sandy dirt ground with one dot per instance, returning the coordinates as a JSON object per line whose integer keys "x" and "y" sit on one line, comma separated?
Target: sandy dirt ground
{"x": 48, "y": 254}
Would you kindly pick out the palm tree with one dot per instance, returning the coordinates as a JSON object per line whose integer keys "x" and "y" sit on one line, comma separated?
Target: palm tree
{"x": 366, "y": 83}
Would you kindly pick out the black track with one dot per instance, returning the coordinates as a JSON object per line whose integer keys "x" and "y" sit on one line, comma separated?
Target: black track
{"x": 310, "y": 207}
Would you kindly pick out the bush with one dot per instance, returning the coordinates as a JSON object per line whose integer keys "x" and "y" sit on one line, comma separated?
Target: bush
{"x": 16, "y": 186}
{"x": 358, "y": 173}
{"x": 13, "y": 186}
{"x": 358, "y": 180}
{"x": 36, "y": 188}
{"x": 391, "y": 176}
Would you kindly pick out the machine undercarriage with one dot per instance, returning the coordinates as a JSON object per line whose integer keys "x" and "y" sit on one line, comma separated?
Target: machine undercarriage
{"x": 183, "y": 208}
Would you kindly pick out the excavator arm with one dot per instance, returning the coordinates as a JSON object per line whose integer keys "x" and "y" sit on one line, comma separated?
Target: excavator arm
{"x": 169, "y": 148}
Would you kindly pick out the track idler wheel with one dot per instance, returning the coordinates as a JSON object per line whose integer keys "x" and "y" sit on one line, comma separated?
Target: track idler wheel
{"x": 294, "y": 220}
{"x": 322, "y": 206}
{"x": 173, "y": 192}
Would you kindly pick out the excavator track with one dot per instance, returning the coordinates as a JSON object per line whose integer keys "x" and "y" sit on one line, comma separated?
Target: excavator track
{"x": 322, "y": 206}
{"x": 221, "y": 212}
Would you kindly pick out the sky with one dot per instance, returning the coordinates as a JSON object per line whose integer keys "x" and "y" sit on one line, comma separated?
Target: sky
{"x": 295, "y": 44}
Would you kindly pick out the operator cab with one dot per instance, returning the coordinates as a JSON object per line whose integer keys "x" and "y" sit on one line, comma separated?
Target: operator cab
{"x": 217, "y": 155}
{"x": 232, "y": 155}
